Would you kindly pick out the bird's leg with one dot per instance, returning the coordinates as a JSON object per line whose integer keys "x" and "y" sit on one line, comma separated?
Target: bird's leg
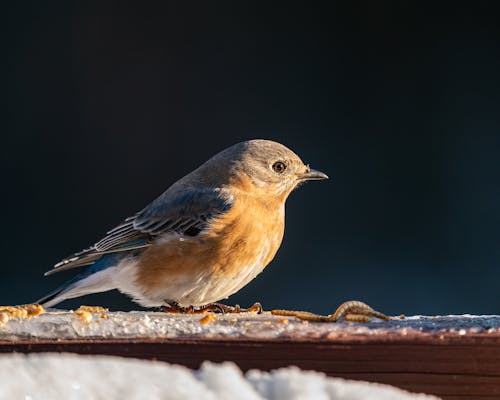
{"x": 354, "y": 311}
{"x": 223, "y": 308}
{"x": 176, "y": 308}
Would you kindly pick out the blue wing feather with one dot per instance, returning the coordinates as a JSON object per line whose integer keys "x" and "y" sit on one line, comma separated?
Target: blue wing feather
{"x": 185, "y": 212}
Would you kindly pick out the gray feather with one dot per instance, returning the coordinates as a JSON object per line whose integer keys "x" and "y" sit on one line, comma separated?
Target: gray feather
{"x": 184, "y": 212}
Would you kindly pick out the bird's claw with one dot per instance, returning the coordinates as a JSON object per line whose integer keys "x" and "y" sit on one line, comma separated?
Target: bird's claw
{"x": 175, "y": 308}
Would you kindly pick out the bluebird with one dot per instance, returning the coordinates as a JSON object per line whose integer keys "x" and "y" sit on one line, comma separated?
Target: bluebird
{"x": 203, "y": 239}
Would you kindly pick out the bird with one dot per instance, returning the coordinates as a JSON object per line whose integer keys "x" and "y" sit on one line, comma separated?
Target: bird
{"x": 203, "y": 239}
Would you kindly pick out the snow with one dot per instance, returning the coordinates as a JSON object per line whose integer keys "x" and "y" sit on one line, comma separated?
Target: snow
{"x": 74, "y": 377}
{"x": 139, "y": 324}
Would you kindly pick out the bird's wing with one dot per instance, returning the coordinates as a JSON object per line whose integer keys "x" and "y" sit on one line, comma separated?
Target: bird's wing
{"x": 186, "y": 213}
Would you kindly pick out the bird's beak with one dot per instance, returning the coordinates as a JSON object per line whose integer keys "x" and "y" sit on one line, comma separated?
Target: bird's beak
{"x": 313, "y": 175}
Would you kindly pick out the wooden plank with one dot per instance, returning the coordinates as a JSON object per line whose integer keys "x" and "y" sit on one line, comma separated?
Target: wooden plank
{"x": 455, "y": 357}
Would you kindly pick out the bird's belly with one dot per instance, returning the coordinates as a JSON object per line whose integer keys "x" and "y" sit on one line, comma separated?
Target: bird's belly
{"x": 219, "y": 285}
{"x": 198, "y": 272}
{"x": 214, "y": 288}
{"x": 210, "y": 281}
{"x": 211, "y": 266}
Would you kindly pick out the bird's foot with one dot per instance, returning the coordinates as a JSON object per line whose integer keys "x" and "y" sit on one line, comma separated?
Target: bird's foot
{"x": 353, "y": 311}
{"x": 255, "y": 308}
{"x": 176, "y": 308}
{"x": 225, "y": 309}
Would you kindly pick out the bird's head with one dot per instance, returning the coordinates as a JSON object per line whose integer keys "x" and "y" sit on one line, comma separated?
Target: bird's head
{"x": 266, "y": 165}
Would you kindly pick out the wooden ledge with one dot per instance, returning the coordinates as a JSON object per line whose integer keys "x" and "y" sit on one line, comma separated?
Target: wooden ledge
{"x": 454, "y": 357}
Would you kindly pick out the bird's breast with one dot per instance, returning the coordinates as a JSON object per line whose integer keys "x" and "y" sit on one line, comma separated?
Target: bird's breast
{"x": 251, "y": 232}
{"x": 236, "y": 246}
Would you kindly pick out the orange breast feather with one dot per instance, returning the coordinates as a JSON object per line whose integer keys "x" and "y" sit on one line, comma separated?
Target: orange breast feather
{"x": 251, "y": 231}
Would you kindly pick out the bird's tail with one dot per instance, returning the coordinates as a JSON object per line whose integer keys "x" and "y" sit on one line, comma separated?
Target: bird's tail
{"x": 96, "y": 278}
{"x": 92, "y": 255}
{"x": 58, "y": 295}
{"x": 80, "y": 259}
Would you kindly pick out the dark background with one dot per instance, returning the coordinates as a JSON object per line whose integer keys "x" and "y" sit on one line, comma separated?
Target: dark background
{"x": 109, "y": 105}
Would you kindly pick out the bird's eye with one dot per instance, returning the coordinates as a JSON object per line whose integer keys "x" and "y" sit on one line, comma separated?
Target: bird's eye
{"x": 279, "y": 167}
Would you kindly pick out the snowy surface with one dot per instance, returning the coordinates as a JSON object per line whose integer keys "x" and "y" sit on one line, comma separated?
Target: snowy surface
{"x": 71, "y": 377}
{"x": 116, "y": 325}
